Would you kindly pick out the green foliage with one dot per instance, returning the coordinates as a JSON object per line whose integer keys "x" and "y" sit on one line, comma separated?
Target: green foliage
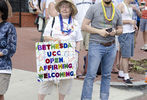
{"x": 139, "y": 66}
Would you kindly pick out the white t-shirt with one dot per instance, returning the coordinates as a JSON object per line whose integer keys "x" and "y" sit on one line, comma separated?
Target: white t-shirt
{"x": 82, "y": 7}
{"x": 75, "y": 35}
{"x": 127, "y": 15}
{"x": 48, "y": 2}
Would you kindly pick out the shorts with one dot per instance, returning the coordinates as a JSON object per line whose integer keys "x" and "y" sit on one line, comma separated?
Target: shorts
{"x": 143, "y": 25}
{"x": 85, "y": 42}
{"x": 4, "y": 82}
{"x": 126, "y": 42}
{"x": 47, "y": 87}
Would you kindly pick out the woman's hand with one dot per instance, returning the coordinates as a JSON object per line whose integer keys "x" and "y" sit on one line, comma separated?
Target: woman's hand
{"x": 1, "y": 54}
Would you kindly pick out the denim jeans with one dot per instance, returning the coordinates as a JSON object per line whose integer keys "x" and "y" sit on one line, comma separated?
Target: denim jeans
{"x": 98, "y": 53}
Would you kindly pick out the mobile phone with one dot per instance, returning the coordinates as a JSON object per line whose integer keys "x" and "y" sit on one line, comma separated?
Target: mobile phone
{"x": 109, "y": 30}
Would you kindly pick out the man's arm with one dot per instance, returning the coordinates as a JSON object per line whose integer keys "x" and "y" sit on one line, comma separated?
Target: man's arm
{"x": 119, "y": 30}
{"x": 138, "y": 12}
{"x": 86, "y": 27}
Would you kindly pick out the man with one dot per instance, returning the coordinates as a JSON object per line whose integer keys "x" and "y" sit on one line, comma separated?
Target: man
{"x": 106, "y": 22}
{"x": 126, "y": 39}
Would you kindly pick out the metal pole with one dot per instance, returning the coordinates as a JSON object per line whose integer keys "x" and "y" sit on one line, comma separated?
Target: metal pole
{"x": 19, "y": 13}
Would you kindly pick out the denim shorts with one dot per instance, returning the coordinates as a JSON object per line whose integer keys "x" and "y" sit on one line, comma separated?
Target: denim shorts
{"x": 143, "y": 25}
{"x": 126, "y": 41}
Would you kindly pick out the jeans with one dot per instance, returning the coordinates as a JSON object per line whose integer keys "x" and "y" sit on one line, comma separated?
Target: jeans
{"x": 106, "y": 55}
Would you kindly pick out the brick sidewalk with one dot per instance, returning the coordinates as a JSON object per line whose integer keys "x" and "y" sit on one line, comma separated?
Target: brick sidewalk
{"x": 25, "y": 55}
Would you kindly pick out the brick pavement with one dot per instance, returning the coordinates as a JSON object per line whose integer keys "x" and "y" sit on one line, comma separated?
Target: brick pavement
{"x": 25, "y": 55}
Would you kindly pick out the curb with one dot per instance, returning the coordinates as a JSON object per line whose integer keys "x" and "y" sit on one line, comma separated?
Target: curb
{"x": 136, "y": 85}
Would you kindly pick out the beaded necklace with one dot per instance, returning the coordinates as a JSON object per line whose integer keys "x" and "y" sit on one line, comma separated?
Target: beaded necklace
{"x": 62, "y": 27}
{"x": 113, "y": 9}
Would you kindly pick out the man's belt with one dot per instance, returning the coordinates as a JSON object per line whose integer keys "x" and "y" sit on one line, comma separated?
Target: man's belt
{"x": 108, "y": 43}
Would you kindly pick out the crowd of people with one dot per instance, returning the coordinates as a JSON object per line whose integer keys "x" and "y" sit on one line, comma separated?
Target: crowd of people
{"x": 106, "y": 29}
{"x": 109, "y": 29}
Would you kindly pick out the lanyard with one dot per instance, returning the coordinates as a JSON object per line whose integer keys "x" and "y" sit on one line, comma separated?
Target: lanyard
{"x": 61, "y": 25}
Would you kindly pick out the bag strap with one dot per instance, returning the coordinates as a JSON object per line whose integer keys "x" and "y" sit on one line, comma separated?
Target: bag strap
{"x": 52, "y": 25}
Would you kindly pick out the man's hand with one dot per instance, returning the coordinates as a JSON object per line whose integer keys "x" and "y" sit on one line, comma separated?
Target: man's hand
{"x": 134, "y": 7}
{"x": 104, "y": 33}
{"x": 113, "y": 33}
{"x": 135, "y": 27}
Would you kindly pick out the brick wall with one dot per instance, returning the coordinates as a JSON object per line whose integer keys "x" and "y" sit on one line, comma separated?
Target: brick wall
{"x": 27, "y": 19}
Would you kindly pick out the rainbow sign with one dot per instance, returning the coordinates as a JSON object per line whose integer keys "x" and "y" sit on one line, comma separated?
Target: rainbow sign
{"x": 55, "y": 60}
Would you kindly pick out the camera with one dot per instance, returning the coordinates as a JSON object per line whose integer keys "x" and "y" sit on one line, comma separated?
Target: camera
{"x": 109, "y": 30}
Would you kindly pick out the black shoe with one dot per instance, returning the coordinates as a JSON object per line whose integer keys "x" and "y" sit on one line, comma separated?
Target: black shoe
{"x": 119, "y": 77}
{"x": 81, "y": 76}
{"x": 128, "y": 82}
{"x": 131, "y": 78}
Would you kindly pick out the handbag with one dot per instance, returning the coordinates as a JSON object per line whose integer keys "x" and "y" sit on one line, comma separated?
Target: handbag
{"x": 40, "y": 21}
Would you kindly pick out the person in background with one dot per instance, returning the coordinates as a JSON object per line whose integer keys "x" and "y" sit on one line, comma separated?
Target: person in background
{"x": 9, "y": 8}
{"x": 116, "y": 64}
{"x": 52, "y": 11}
{"x": 66, "y": 28}
{"x": 8, "y": 41}
{"x": 106, "y": 22}
{"x": 135, "y": 5}
{"x": 42, "y": 14}
{"x": 47, "y": 8}
{"x": 82, "y": 6}
{"x": 143, "y": 23}
{"x": 126, "y": 39}
{"x": 34, "y": 6}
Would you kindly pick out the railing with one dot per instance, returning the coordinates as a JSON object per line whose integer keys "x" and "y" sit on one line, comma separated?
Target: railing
{"x": 19, "y": 6}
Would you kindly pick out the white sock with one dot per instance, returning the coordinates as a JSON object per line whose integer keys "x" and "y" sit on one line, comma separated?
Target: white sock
{"x": 145, "y": 45}
{"x": 121, "y": 73}
{"x": 126, "y": 76}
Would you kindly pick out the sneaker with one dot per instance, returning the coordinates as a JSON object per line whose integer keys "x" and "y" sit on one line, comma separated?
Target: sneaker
{"x": 128, "y": 82}
{"x": 144, "y": 48}
{"x": 119, "y": 77}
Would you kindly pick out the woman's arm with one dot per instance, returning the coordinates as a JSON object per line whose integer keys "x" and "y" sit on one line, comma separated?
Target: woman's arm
{"x": 11, "y": 43}
{"x": 78, "y": 45}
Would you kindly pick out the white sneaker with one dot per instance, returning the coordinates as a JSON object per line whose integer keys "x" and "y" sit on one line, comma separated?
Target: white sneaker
{"x": 144, "y": 47}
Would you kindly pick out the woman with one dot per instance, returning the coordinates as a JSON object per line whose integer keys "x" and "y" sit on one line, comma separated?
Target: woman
{"x": 65, "y": 28}
{"x": 7, "y": 48}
